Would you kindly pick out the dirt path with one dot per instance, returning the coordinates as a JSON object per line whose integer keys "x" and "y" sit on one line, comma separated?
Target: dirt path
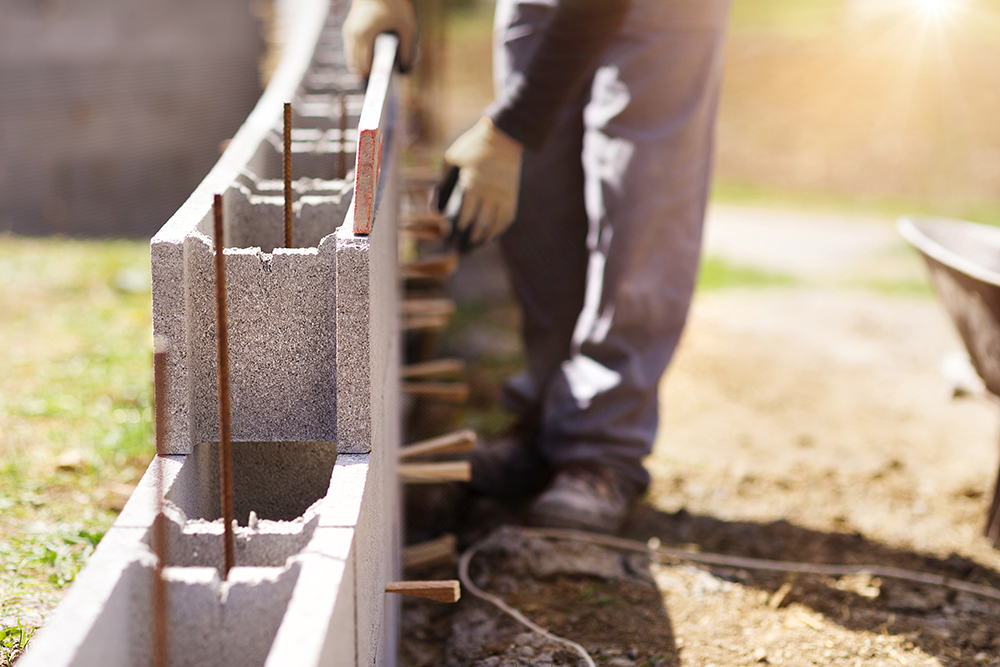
{"x": 808, "y": 422}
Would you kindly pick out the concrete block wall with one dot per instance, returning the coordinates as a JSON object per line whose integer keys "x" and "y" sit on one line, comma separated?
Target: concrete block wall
{"x": 314, "y": 347}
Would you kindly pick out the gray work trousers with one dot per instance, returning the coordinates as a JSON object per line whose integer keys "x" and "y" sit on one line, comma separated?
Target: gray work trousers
{"x": 603, "y": 255}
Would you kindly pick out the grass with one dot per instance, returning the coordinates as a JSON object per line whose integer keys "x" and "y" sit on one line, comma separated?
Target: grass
{"x": 13, "y": 641}
{"x": 75, "y": 411}
{"x": 717, "y": 273}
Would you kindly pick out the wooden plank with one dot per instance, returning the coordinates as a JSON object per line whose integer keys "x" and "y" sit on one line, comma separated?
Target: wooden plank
{"x": 371, "y": 133}
{"x": 429, "y": 307}
{"x": 425, "y": 323}
{"x": 435, "y": 473}
{"x": 440, "y": 551}
{"x": 441, "y": 591}
{"x": 426, "y": 225}
{"x": 439, "y": 368}
{"x": 449, "y": 392}
{"x": 459, "y": 441}
{"x": 439, "y": 266}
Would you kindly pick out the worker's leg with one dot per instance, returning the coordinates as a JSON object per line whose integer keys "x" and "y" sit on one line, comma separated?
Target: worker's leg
{"x": 546, "y": 255}
{"x": 545, "y": 249}
{"x": 646, "y": 160}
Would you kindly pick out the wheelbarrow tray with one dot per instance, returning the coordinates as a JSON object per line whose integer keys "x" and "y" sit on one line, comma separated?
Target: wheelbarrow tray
{"x": 963, "y": 259}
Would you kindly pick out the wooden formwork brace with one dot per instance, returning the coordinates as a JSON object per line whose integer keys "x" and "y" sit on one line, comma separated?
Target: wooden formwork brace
{"x": 447, "y": 392}
{"x": 427, "y": 313}
{"x": 440, "y": 369}
{"x": 440, "y": 591}
{"x": 439, "y": 551}
{"x": 425, "y": 225}
{"x": 438, "y": 266}
{"x": 459, "y": 441}
{"x": 435, "y": 473}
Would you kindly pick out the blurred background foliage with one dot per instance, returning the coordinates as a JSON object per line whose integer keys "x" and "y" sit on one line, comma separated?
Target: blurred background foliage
{"x": 887, "y": 106}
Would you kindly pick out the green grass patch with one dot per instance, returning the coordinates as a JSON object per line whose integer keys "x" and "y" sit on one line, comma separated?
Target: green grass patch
{"x": 793, "y": 17}
{"x": 717, "y": 273}
{"x": 75, "y": 408}
{"x": 764, "y": 195}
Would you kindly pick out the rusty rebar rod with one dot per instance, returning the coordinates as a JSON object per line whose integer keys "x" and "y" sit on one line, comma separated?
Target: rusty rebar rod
{"x": 160, "y": 522}
{"x": 286, "y": 164}
{"x": 342, "y": 154}
{"x": 222, "y": 338}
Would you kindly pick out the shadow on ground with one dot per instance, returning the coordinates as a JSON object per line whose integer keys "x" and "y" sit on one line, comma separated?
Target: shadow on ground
{"x": 612, "y": 604}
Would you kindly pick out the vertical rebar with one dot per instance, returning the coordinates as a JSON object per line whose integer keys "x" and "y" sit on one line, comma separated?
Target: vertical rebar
{"x": 222, "y": 338}
{"x": 160, "y": 522}
{"x": 342, "y": 154}
{"x": 286, "y": 163}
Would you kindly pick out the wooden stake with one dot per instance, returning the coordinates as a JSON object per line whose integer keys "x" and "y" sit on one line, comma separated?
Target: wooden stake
{"x": 439, "y": 368}
{"x": 429, "y": 307}
{"x": 286, "y": 164}
{"x": 459, "y": 441}
{"x": 441, "y": 591}
{"x": 426, "y": 225}
{"x": 435, "y": 473}
{"x": 439, "y": 266}
{"x": 222, "y": 342}
{"x": 448, "y": 392}
{"x": 425, "y": 323}
{"x": 435, "y": 552}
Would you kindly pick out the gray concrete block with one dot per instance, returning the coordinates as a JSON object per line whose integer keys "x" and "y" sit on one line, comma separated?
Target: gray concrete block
{"x": 319, "y": 629}
{"x": 255, "y": 211}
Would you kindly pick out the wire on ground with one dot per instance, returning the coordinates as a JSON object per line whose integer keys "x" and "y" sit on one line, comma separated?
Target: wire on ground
{"x": 653, "y": 550}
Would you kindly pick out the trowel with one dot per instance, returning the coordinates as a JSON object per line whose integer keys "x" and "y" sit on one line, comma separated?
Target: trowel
{"x": 450, "y": 194}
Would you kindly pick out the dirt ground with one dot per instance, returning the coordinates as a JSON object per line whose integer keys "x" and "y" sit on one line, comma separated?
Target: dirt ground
{"x": 808, "y": 422}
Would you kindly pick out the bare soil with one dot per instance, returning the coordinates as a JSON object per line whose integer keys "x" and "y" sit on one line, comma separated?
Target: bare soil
{"x": 803, "y": 423}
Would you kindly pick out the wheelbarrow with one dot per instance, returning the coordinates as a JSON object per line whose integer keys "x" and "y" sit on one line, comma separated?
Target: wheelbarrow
{"x": 963, "y": 259}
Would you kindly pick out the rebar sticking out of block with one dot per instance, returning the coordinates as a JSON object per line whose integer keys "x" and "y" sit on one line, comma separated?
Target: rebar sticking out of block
{"x": 222, "y": 340}
{"x": 459, "y": 441}
{"x": 439, "y": 369}
{"x": 435, "y": 473}
{"x": 448, "y": 392}
{"x": 286, "y": 168}
{"x": 441, "y": 591}
{"x": 342, "y": 154}
{"x": 160, "y": 521}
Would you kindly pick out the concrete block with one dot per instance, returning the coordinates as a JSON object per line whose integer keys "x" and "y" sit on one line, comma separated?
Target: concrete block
{"x": 319, "y": 629}
{"x": 255, "y": 211}
{"x": 281, "y": 342}
{"x": 368, "y": 330}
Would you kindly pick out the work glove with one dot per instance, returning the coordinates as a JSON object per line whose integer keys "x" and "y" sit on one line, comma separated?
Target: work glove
{"x": 489, "y": 177}
{"x": 366, "y": 20}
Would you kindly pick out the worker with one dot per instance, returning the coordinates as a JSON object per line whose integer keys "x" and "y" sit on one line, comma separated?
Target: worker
{"x": 592, "y": 167}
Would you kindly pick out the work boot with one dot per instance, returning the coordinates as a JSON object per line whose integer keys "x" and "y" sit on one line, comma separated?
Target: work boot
{"x": 509, "y": 469}
{"x": 585, "y": 497}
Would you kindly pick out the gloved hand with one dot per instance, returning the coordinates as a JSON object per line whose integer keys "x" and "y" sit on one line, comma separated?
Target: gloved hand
{"x": 489, "y": 163}
{"x": 366, "y": 20}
